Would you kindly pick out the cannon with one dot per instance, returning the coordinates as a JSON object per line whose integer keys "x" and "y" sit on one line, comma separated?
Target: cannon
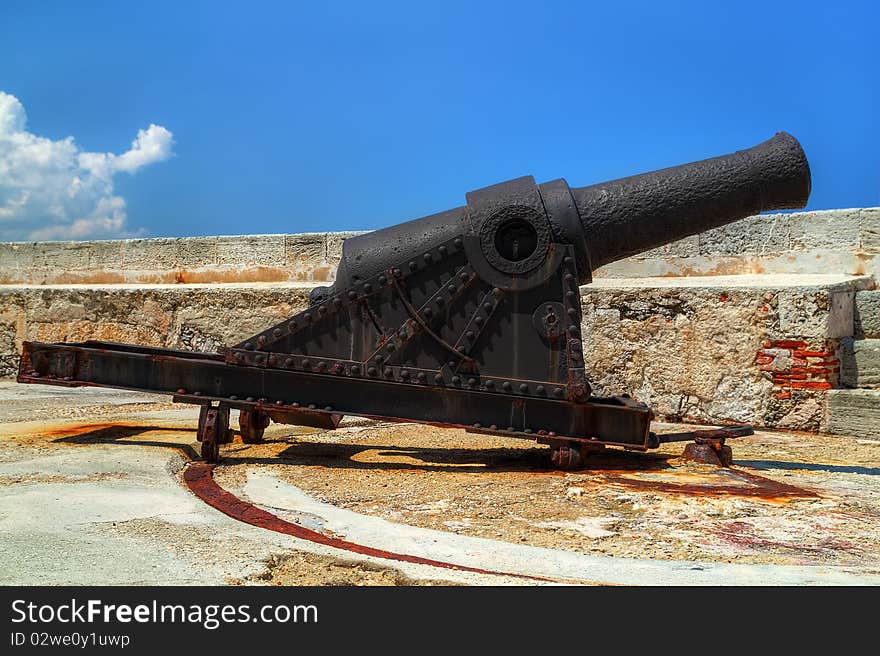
{"x": 469, "y": 318}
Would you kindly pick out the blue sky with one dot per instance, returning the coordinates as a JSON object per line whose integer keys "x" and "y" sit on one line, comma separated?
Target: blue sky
{"x": 290, "y": 117}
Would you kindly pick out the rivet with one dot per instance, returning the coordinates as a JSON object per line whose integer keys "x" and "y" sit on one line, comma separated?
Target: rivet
{"x": 277, "y": 333}
{"x": 568, "y": 260}
{"x": 233, "y": 398}
{"x": 328, "y": 408}
{"x": 557, "y": 392}
{"x": 551, "y": 434}
{"x": 295, "y": 404}
{"x": 487, "y": 307}
{"x": 568, "y": 277}
{"x": 493, "y": 427}
{"x": 477, "y": 424}
{"x": 413, "y": 265}
{"x": 496, "y": 292}
{"x": 506, "y": 386}
{"x": 472, "y": 382}
{"x": 570, "y": 295}
{"x": 322, "y": 310}
{"x": 422, "y": 377}
{"x": 439, "y": 300}
{"x": 479, "y": 320}
{"x": 249, "y": 346}
{"x": 438, "y": 379}
{"x": 456, "y": 380}
{"x": 470, "y": 335}
{"x": 291, "y": 326}
{"x": 573, "y": 329}
{"x": 250, "y": 399}
{"x": 396, "y": 272}
{"x": 450, "y": 364}
{"x": 510, "y": 429}
{"x": 321, "y": 365}
{"x": 337, "y": 303}
{"x": 404, "y": 374}
{"x": 352, "y": 295}
{"x": 304, "y": 363}
{"x": 428, "y": 312}
{"x": 443, "y": 250}
{"x": 427, "y": 257}
{"x": 391, "y": 347}
{"x": 382, "y": 280}
{"x": 457, "y": 242}
{"x": 355, "y": 370}
{"x": 371, "y": 371}
{"x": 279, "y": 402}
{"x": 523, "y": 388}
{"x": 572, "y": 313}
{"x": 527, "y": 430}
{"x": 181, "y": 391}
{"x": 261, "y": 340}
{"x": 452, "y": 289}
{"x": 368, "y": 288}
{"x": 489, "y": 384}
{"x": 312, "y": 406}
{"x": 307, "y": 317}
{"x": 389, "y": 371}
{"x": 464, "y": 276}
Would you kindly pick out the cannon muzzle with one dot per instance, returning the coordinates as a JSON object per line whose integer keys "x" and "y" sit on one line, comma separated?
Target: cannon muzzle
{"x": 631, "y": 215}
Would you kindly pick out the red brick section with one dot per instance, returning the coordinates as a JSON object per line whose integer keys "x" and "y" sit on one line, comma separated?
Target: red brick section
{"x": 792, "y": 363}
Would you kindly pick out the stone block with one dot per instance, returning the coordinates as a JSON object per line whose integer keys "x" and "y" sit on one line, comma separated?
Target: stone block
{"x": 757, "y": 235}
{"x": 16, "y": 255}
{"x": 687, "y": 247}
{"x": 854, "y": 412}
{"x": 831, "y": 229}
{"x": 866, "y": 314}
{"x": 150, "y": 254}
{"x": 860, "y": 362}
{"x": 264, "y": 250}
{"x": 62, "y": 255}
{"x": 869, "y": 228}
{"x": 104, "y": 255}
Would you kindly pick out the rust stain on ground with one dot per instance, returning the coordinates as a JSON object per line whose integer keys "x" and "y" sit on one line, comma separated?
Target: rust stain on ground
{"x": 744, "y": 484}
{"x": 199, "y": 478}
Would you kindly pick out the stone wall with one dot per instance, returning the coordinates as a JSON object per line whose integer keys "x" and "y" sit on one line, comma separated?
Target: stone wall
{"x": 710, "y": 329}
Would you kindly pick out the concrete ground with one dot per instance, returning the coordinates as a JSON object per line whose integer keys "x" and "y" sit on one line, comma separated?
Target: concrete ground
{"x": 92, "y": 491}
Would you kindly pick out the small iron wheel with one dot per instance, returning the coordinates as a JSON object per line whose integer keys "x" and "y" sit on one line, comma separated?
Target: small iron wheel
{"x": 566, "y": 456}
{"x": 252, "y": 424}
{"x": 213, "y": 429}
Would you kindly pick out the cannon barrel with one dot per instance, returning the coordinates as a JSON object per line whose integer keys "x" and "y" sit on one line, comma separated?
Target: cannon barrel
{"x": 631, "y": 215}
{"x": 603, "y": 222}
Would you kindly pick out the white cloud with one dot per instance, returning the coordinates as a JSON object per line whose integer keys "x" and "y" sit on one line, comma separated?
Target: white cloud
{"x": 54, "y": 190}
